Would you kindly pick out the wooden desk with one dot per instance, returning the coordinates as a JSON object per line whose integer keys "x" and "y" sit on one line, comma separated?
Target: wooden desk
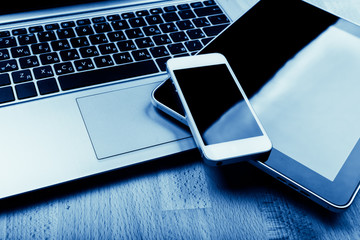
{"x": 179, "y": 198}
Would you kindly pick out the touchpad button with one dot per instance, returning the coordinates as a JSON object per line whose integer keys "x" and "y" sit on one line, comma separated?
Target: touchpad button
{"x": 124, "y": 121}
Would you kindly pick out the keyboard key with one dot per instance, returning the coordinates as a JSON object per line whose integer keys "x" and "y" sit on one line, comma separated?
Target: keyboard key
{"x": 65, "y": 33}
{"x": 60, "y": 45}
{"x": 195, "y": 33}
{"x": 179, "y": 37}
{"x": 40, "y": 48}
{"x": 159, "y": 51}
{"x": 84, "y": 64}
{"x": 63, "y": 68}
{"x": 4, "y": 54}
{"x": 27, "y": 62}
{"x": 98, "y": 39}
{"x": 162, "y": 39}
{"x": 186, "y": 14}
{"x": 219, "y": 19}
{"x": 128, "y": 15}
{"x": 151, "y": 30}
{"x": 205, "y": 41}
{"x": 183, "y": 6}
{"x": 121, "y": 58}
{"x": 176, "y": 48}
{"x": 49, "y": 58}
{"x": 20, "y": 51}
{"x": 209, "y": 3}
{"x": 137, "y": 22}
{"x": 105, "y": 75}
{"x": 142, "y": 13}
{"x": 140, "y": 55}
{"x": 89, "y": 51}
{"x": 116, "y": 36}
{"x": 26, "y": 90}
{"x": 185, "y": 25}
{"x": 103, "y": 61}
{"x": 201, "y": 22}
{"x": 36, "y": 29}
{"x": 79, "y": 42}
{"x": 21, "y": 76}
{"x": 47, "y": 86}
{"x": 53, "y": 26}
{"x": 196, "y": 4}
{"x": 19, "y": 31}
{"x": 4, "y": 33}
{"x": 6, "y": 95}
{"x": 8, "y": 65}
{"x": 120, "y": 25}
{"x": 134, "y": 33}
{"x": 107, "y": 48}
{"x": 144, "y": 42}
{"x": 154, "y": 19}
{"x": 4, "y": 79}
{"x": 68, "y": 24}
{"x": 98, "y": 19}
{"x": 83, "y": 22}
{"x": 27, "y": 39}
{"x": 214, "y": 30}
{"x": 46, "y": 36}
{"x": 126, "y": 45}
{"x": 43, "y": 72}
{"x": 102, "y": 27}
{"x": 170, "y": 17}
{"x": 193, "y": 45}
{"x": 168, "y": 27}
{"x": 207, "y": 11}
{"x": 68, "y": 55}
{"x": 170, "y": 9}
{"x": 84, "y": 30}
{"x": 6, "y": 42}
{"x": 113, "y": 17}
{"x": 156, "y": 11}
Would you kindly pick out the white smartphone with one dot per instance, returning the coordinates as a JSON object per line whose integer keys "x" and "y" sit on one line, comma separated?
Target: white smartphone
{"x": 221, "y": 119}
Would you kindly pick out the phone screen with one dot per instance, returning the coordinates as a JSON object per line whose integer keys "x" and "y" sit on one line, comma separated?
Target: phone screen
{"x": 219, "y": 110}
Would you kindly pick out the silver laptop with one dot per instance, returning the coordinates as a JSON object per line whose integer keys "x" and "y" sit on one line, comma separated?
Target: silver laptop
{"x": 75, "y": 84}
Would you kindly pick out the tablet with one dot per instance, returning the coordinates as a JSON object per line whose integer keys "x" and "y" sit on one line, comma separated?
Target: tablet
{"x": 299, "y": 66}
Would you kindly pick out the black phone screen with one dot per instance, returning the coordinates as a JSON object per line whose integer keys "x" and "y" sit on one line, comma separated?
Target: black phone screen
{"x": 220, "y": 112}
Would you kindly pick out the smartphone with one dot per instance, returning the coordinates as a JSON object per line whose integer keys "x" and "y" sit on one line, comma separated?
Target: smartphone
{"x": 221, "y": 119}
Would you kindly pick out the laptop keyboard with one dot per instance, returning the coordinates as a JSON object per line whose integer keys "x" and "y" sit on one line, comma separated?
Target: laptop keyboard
{"x": 48, "y": 59}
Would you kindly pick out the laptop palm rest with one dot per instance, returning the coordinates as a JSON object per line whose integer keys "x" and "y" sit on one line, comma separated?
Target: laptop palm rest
{"x": 123, "y": 121}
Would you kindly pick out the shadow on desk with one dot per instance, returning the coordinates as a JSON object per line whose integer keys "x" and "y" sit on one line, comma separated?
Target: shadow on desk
{"x": 235, "y": 199}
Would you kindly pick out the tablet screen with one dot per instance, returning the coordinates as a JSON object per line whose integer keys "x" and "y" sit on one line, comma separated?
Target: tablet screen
{"x": 322, "y": 81}
{"x": 299, "y": 66}
{"x": 300, "y": 71}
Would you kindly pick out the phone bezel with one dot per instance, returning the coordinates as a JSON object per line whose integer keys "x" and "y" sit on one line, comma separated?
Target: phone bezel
{"x": 225, "y": 152}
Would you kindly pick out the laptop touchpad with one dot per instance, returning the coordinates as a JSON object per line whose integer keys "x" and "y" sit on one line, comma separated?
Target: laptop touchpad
{"x": 124, "y": 121}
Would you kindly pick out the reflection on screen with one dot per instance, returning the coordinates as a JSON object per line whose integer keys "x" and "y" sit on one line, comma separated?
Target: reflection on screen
{"x": 218, "y": 108}
{"x": 322, "y": 81}
{"x": 299, "y": 66}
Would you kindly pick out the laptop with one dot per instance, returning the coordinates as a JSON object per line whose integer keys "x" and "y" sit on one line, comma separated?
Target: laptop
{"x": 76, "y": 79}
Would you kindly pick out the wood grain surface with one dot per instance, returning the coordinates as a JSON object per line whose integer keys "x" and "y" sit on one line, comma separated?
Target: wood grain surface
{"x": 179, "y": 198}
